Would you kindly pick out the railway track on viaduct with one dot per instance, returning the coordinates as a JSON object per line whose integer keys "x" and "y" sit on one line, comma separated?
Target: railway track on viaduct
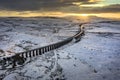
{"x": 20, "y": 58}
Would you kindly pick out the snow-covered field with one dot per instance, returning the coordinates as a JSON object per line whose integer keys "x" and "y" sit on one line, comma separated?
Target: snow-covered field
{"x": 21, "y": 34}
{"x": 95, "y": 57}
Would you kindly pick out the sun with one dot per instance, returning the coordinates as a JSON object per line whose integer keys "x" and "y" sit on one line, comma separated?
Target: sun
{"x": 84, "y": 14}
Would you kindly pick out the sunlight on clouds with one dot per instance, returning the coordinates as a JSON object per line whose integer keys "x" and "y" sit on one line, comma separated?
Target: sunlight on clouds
{"x": 55, "y": 14}
{"x": 35, "y": 14}
{"x": 94, "y": 0}
{"x": 92, "y": 5}
{"x": 8, "y": 13}
{"x": 76, "y": 3}
{"x": 103, "y": 15}
{"x": 109, "y": 15}
{"x": 99, "y": 4}
{"x": 30, "y": 14}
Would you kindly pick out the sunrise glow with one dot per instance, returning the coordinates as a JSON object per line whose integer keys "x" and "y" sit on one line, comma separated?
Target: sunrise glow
{"x": 84, "y": 14}
{"x": 61, "y": 8}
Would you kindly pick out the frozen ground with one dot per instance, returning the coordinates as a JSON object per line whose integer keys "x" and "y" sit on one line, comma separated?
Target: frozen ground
{"x": 95, "y": 57}
{"x": 21, "y": 34}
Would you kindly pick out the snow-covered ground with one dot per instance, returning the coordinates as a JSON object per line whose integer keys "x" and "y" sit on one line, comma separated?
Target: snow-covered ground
{"x": 95, "y": 57}
{"x": 21, "y": 34}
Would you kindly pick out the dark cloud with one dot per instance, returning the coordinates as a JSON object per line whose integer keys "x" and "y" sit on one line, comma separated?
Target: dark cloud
{"x": 30, "y": 5}
{"x": 56, "y": 5}
{"x": 104, "y": 9}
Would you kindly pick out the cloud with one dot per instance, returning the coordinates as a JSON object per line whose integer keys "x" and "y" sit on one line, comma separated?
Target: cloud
{"x": 72, "y": 6}
{"x": 32, "y": 5}
{"x": 104, "y": 9}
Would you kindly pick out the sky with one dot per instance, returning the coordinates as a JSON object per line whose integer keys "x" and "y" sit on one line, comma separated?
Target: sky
{"x": 60, "y": 8}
